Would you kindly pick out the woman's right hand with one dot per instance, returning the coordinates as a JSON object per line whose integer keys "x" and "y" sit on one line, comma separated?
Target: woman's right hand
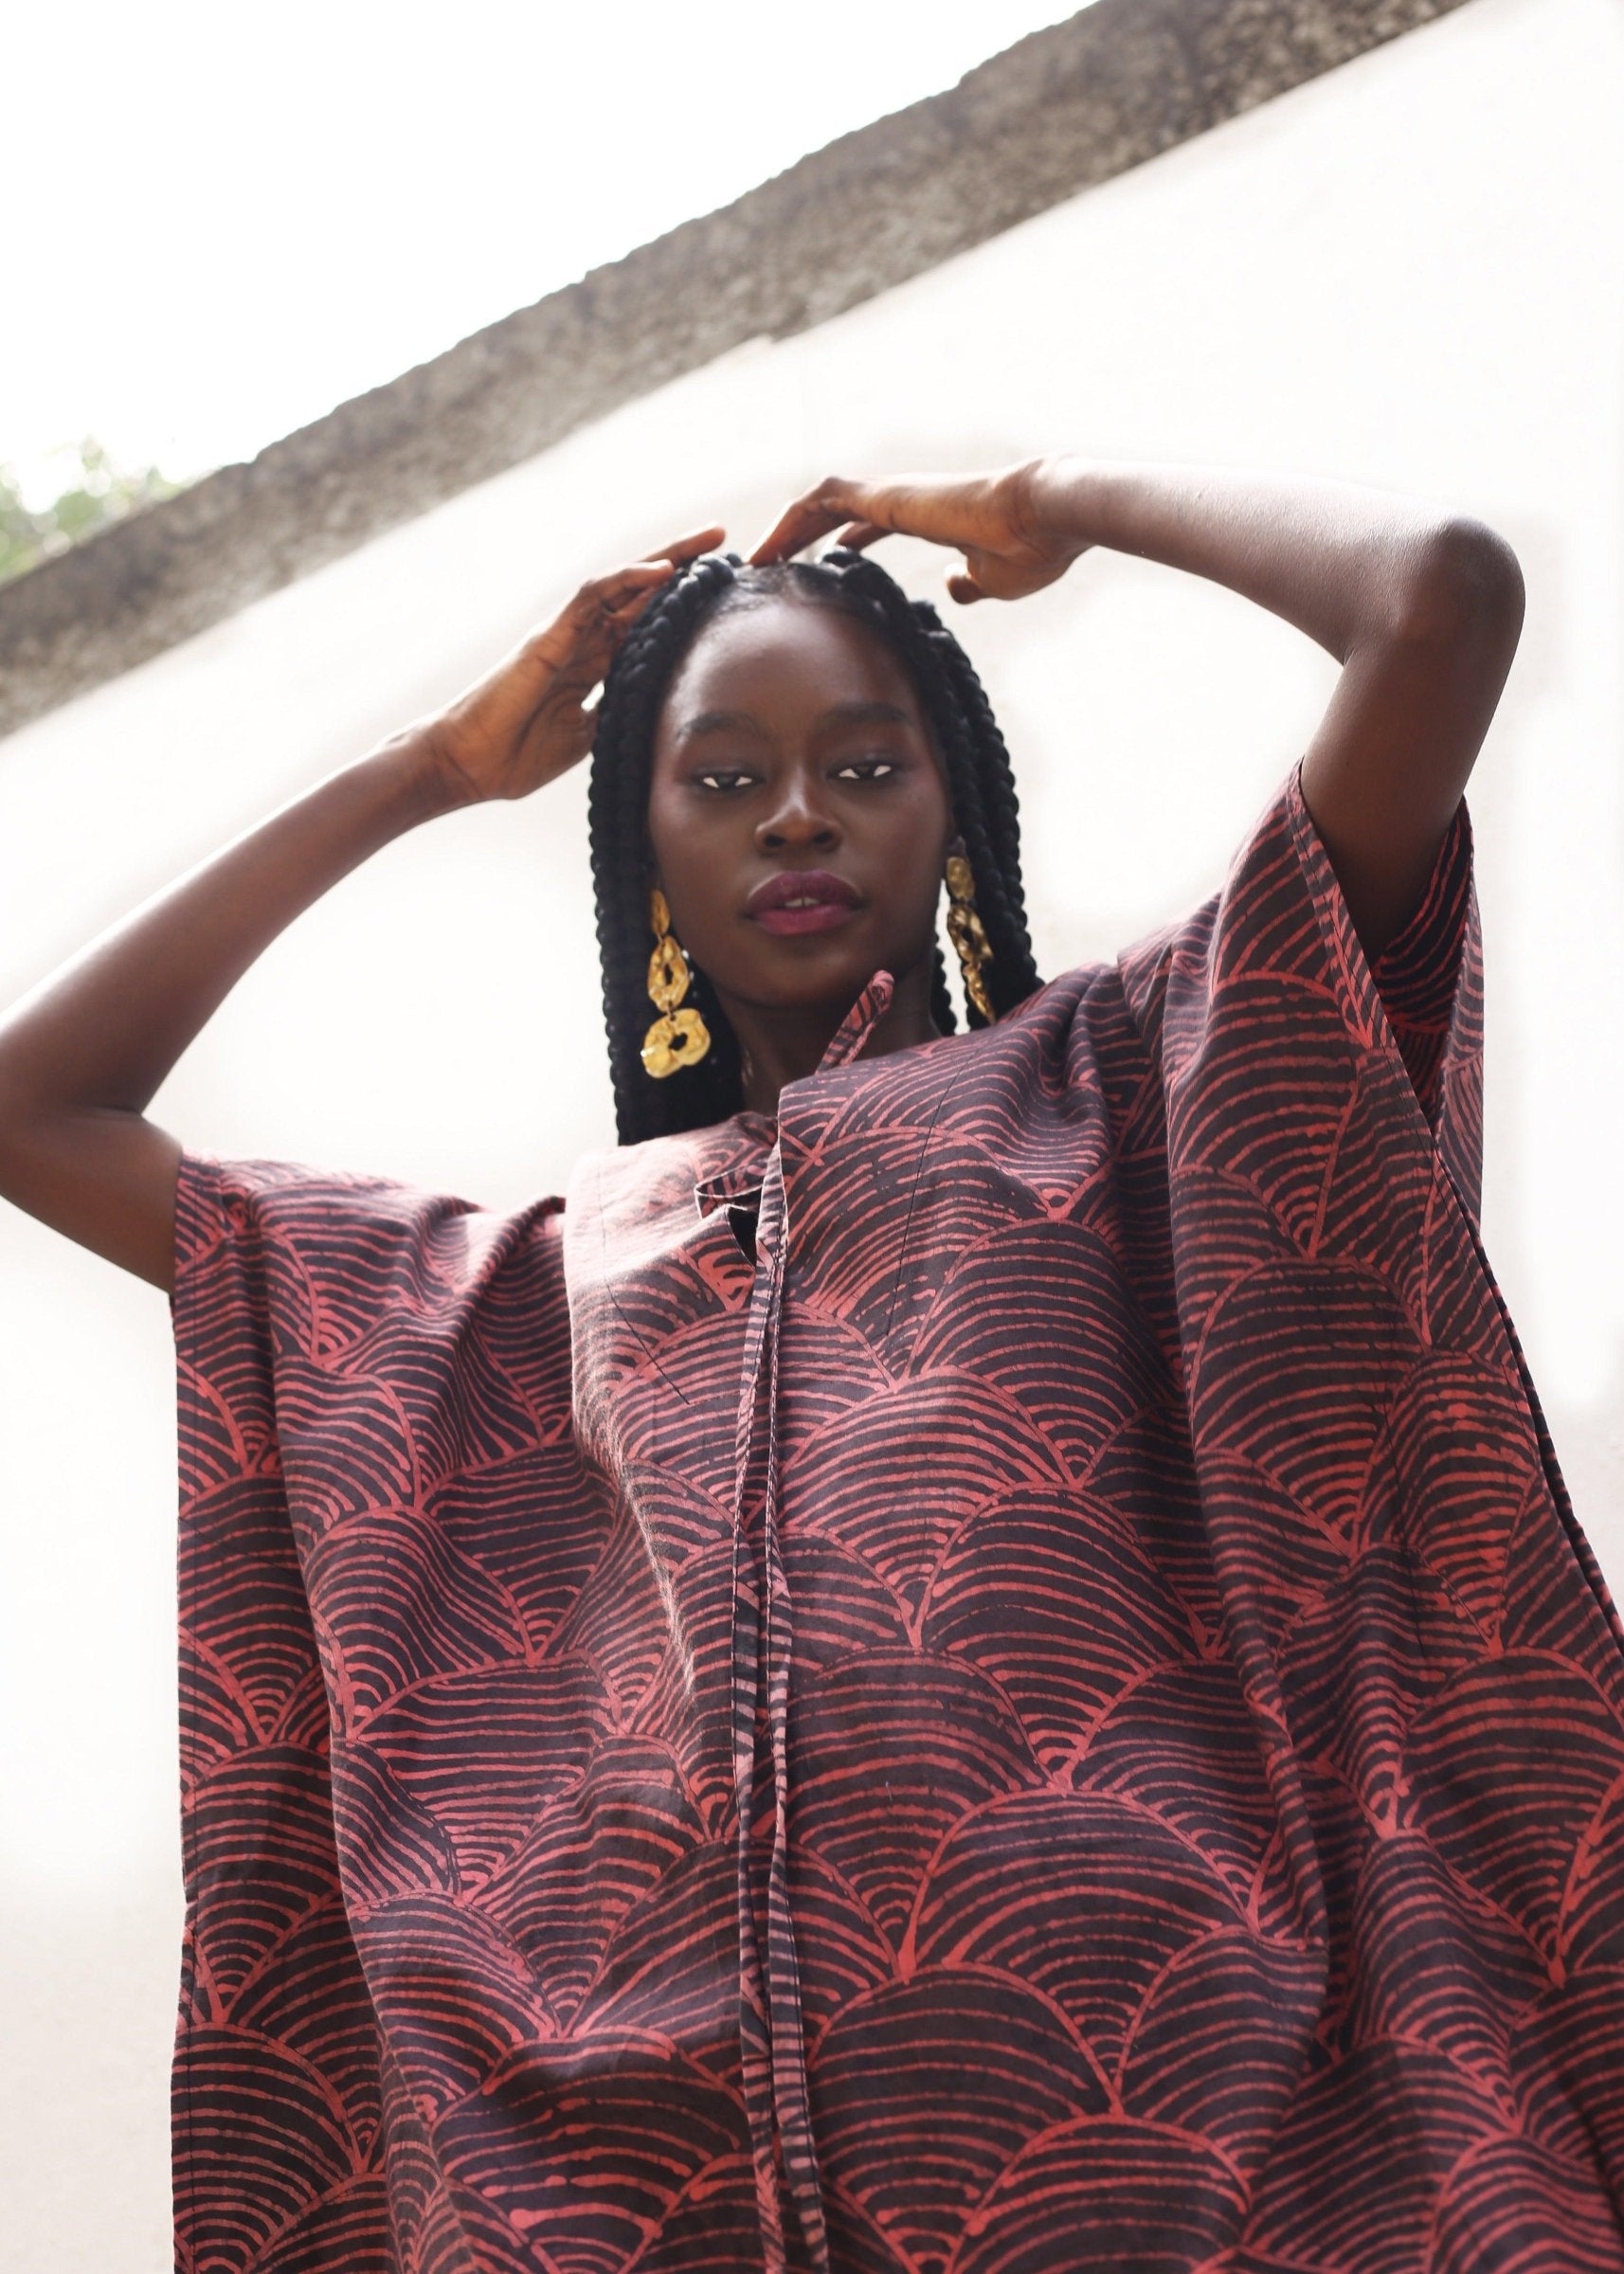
{"x": 82, "y": 1054}
{"x": 529, "y": 720}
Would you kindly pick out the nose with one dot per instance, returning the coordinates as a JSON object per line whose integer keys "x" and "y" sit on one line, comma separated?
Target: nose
{"x": 798, "y": 823}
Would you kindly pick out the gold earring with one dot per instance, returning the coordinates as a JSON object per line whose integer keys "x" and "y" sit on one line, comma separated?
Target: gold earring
{"x": 967, "y": 932}
{"x": 677, "y": 1038}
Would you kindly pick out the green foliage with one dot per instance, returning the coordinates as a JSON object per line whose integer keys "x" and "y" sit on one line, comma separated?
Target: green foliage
{"x": 98, "y": 491}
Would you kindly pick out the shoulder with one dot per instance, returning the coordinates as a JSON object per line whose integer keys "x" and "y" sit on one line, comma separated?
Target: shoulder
{"x": 258, "y": 1225}
{"x": 1263, "y": 991}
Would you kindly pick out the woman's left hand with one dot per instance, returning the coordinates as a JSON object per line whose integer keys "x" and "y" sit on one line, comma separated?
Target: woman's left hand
{"x": 995, "y": 520}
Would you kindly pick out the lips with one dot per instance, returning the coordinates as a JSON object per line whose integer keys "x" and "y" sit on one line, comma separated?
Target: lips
{"x": 819, "y": 888}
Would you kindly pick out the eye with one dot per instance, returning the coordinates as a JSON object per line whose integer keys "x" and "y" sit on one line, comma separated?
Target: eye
{"x": 866, "y": 769}
{"x": 724, "y": 777}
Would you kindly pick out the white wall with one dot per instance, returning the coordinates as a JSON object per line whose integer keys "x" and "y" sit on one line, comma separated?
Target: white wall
{"x": 1410, "y": 272}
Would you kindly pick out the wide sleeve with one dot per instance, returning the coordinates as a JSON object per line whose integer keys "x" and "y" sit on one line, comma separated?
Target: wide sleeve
{"x": 347, "y": 1347}
{"x": 1432, "y": 1666}
{"x": 1422, "y": 998}
{"x": 1273, "y": 964}
{"x": 372, "y": 1400}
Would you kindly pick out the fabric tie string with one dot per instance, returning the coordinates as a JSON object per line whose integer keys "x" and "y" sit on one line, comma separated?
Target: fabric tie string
{"x": 771, "y": 2032}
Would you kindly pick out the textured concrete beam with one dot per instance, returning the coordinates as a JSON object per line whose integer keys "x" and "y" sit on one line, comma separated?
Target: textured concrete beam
{"x": 1063, "y": 110}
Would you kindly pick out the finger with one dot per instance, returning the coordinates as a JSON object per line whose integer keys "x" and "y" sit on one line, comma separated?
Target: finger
{"x": 811, "y": 516}
{"x": 965, "y": 588}
{"x": 631, "y": 584}
{"x": 594, "y": 606}
{"x": 857, "y": 535}
{"x": 601, "y": 639}
{"x": 611, "y": 632}
{"x": 792, "y": 531}
{"x": 595, "y": 650}
{"x": 630, "y": 604}
{"x": 689, "y": 547}
{"x": 600, "y": 594}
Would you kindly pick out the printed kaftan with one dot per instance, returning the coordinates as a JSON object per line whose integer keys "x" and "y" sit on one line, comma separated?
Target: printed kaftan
{"x": 993, "y": 1676}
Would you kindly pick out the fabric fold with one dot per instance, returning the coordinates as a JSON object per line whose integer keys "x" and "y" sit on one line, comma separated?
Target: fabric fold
{"x": 771, "y": 2019}
{"x": 1056, "y": 1715}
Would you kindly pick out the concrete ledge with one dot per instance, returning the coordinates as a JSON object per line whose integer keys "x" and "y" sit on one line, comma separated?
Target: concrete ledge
{"x": 1061, "y": 111}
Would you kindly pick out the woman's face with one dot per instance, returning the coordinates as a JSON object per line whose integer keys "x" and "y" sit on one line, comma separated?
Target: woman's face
{"x": 793, "y": 762}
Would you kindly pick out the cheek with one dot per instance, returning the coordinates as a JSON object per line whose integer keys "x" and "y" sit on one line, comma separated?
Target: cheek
{"x": 695, "y": 865}
{"x": 928, "y": 800}
{"x": 677, "y": 842}
{"x": 922, "y": 830}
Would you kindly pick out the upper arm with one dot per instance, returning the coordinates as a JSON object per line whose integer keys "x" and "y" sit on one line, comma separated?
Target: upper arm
{"x": 103, "y": 1178}
{"x": 1386, "y": 767}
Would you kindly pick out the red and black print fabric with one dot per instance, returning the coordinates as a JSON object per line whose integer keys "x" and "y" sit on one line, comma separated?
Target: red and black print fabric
{"x": 993, "y": 1676}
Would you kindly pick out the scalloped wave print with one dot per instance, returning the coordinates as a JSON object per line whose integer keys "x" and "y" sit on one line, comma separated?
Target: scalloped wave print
{"x": 1056, "y": 1717}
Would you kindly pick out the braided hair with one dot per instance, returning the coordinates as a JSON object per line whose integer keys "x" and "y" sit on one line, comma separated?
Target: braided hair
{"x": 981, "y": 790}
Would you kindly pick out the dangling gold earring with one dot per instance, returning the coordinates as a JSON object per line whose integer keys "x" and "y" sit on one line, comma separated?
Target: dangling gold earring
{"x": 966, "y": 931}
{"x": 677, "y": 1038}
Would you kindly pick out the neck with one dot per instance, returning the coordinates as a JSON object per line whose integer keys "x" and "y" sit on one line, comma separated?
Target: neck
{"x": 780, "y": 1046}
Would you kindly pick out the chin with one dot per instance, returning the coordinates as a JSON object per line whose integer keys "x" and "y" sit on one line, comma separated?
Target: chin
{"x": 833, "y": 988}
{"x": 825, "y": 974}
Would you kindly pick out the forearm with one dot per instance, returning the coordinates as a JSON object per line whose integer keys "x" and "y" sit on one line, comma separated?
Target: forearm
{"x": 1421, "y": 605}
{"x": 83, "y": 1054}
{"x": 103, "y": 1031}
{"x": 1343, "y": 563}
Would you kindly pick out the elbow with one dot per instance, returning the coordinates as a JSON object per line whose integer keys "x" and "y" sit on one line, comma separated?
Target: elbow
{"x": 1464, "y": 582}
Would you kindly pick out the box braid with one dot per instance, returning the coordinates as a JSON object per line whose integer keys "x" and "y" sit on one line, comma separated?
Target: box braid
{"x": 981, "y": 790}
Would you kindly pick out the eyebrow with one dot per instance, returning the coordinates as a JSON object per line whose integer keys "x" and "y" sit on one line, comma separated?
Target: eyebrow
{"x": 848, "y": 715}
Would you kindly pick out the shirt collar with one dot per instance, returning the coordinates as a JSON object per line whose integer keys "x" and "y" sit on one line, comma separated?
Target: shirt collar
{"x": 737, "y": 1181}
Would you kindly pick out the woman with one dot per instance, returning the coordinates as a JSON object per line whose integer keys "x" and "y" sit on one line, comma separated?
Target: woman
{"x": 974, "y": 1656}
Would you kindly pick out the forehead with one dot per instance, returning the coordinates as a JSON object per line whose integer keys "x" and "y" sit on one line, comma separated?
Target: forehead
{"x": 782, "y": 658}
